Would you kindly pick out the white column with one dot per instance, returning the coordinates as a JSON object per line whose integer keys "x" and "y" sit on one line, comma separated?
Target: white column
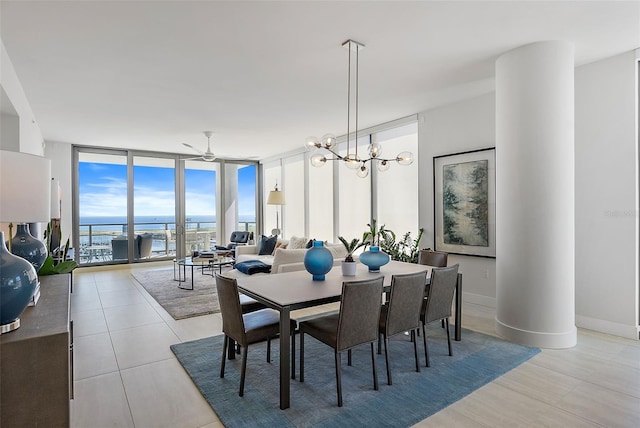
{"x": 535, "y": 278}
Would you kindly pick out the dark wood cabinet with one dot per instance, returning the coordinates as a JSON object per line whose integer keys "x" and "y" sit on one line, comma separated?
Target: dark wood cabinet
{"x": 36, "y": 361}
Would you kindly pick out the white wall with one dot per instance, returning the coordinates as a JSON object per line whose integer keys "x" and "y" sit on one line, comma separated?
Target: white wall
{"x": 606, "y": 199}
{"x": 30, "y": 135}
{"x": 459, "y": 127}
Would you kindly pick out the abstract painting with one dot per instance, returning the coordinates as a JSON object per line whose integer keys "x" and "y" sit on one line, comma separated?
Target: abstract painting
{"x": 465, "y": 203}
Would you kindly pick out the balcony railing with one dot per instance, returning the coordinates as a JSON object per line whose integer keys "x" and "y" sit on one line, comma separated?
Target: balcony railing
{"x": 96, "y": 246}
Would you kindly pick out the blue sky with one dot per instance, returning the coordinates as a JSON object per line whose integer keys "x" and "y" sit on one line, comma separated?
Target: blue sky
{"x": 103, "y": 191}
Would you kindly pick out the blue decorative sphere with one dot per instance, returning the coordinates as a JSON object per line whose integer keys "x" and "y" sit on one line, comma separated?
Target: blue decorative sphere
{"x": 318, "y": 260}
{"x": 18, "y": 281}
{"x": 374, "y": 258}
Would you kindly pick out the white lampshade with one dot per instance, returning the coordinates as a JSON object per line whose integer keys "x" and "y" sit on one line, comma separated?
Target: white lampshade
{"x": 276, "y": 197}
{"x": 56, "y": 198}
{"x": 25, "y": 188}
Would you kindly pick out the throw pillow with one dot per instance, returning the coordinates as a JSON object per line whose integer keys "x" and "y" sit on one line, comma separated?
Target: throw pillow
{"x": 267, "y": 245}
{"x": 279, "y": 244}
{"x": 296, "y": 243}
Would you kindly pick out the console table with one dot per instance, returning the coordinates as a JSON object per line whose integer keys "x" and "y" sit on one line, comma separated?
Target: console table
{"x": 36, "y": 361}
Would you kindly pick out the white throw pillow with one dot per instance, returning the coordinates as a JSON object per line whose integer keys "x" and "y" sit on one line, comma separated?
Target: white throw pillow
{"x": 296, "y": 243}
{"x": 286, "y": 256}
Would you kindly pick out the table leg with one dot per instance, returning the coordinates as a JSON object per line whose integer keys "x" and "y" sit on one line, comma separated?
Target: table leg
{"x": 458, "y": 330}
{"x": 285, "y": 357}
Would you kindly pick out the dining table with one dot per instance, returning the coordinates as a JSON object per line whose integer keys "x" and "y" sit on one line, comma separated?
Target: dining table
{"x": 286, "y": 292}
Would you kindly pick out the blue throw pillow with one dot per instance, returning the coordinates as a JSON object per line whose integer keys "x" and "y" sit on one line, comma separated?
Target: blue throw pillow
{"x": 267, "y": 245}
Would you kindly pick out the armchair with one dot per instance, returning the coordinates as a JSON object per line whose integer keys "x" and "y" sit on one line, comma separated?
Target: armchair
{"x": 237, "y": 238}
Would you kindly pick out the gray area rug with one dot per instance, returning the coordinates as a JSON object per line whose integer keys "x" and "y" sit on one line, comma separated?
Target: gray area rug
{"x": 477, "y": 360}
{"x": 202, "y": 300}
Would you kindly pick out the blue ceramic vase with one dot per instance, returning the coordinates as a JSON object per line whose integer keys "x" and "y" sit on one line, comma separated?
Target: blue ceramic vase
{"x": 374, "y": 258}
{"x": 25, "y": 245}
{"x": 318, "y": 260}
{"x": 18, "y": 281}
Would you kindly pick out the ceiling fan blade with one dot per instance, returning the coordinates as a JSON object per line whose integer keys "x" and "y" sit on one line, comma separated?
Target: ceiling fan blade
{"x": 200, "y": 152}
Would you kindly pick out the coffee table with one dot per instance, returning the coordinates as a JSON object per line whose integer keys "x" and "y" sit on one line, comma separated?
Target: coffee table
{"x": 204, "y": 263}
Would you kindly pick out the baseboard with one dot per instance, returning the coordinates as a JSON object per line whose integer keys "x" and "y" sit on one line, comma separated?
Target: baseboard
{"x": 479, "y": 299}
{"x": 608, "y": 327}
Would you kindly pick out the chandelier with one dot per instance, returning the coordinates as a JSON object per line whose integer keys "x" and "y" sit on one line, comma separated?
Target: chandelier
{"x": 325, "y": 147}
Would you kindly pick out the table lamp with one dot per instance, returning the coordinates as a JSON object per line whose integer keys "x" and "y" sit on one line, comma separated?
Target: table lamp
{"x": 24, "y": 198}
{"x": 276, "y": 197}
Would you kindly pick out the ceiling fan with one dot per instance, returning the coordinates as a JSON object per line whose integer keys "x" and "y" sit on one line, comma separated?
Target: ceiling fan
{"x": 207, "y": 156}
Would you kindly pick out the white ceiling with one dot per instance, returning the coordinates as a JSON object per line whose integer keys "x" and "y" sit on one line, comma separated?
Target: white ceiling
{"x": 264, "y": 75}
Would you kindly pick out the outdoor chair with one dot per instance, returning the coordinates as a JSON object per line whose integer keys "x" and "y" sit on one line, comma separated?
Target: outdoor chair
{"x": 355, "y": 324}
{"x": 402, "y": 313}
{"x": 437, "y": 305}
{"x": 245, "y": 329}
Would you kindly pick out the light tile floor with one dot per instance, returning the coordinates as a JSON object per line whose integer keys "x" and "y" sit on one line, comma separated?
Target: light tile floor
{"x": 126, "y": 375}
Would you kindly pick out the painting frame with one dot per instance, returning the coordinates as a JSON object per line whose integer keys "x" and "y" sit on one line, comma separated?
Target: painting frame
{"x": 465, "y": 222}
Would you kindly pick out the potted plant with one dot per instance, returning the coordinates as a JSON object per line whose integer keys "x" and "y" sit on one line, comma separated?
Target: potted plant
{"x": 405, "y": 250}
{"x": 56, "y": 262}
{"x": 349, "y": 264}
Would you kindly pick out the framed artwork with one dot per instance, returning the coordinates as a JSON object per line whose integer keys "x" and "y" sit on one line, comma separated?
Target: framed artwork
{"x": 465, "y": 203}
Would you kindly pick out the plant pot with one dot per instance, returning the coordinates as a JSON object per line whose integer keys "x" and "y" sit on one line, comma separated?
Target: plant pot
{"x": 349, "y": 268}
{"x": 374, "y": 258}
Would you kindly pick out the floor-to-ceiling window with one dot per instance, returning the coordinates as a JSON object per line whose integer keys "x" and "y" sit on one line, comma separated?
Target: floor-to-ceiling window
{"x": 332, "y": 200}
{"x": 102, "y": 205}
{"x": 138, "y": 206}
{"x": 200, "y": 180}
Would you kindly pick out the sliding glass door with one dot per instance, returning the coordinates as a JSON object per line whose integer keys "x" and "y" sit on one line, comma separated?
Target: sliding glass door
{"x": 139, "y": 206}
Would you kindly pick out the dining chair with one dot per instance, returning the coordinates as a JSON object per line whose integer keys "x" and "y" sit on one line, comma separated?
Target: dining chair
{"x": 355, "y": 324}
{"x": 437, "y": 305}
{"x": 402, "y": 313}
{"x": 245, "y": 329}
{"x": 433, "y": 258}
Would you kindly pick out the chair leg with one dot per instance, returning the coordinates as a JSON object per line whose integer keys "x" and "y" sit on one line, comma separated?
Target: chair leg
{"x": 338, "y": 378}
{"x": 380, "y": 338}
{"x": 375, "y": 373}
{"x": 442, "y": 323}
{"x": 224, "y": 354}
{"x": 448, "y": 337}
{"x": 301, "y": 356}
{"x": 386, "y": 359}
{"x": 415, "y": 349}
{"x": 426, "y": 349}
{"x": 349, "y": 357}
{"x": 243, "y": 370}
{"x": 268, "y": 349}
{"x": 293, "y": 354}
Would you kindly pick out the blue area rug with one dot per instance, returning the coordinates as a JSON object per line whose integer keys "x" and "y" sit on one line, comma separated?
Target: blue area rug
{"x": 477, "y": 360}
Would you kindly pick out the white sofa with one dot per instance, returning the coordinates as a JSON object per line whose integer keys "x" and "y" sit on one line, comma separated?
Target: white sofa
{"x": 283, "y": 259}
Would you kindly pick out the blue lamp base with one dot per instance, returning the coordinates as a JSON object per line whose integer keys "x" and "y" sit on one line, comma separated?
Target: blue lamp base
{"x": 18, "y": 281}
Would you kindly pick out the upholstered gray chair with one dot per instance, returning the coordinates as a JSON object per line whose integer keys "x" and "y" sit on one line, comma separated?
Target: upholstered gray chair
{"x": 245, "y": 329}
{"x": 355, "y": 324}
{"x": 433, "y": 258}
{"x": 402, "y": 313}
{"x": 437, "y": 305}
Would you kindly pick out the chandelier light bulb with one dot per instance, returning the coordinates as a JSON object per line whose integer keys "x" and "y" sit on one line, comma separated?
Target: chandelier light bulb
{"x": 318, "y": 160}
{"x": 362, "y": 171}
{"x": 404, "y": 158}
{"x": 375, "y": 150}
{"x": 383, "y": 165}
{"x": 312, "y": 143}
{"x": 351, "y": 161}
{"x": 328, "y": 141}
